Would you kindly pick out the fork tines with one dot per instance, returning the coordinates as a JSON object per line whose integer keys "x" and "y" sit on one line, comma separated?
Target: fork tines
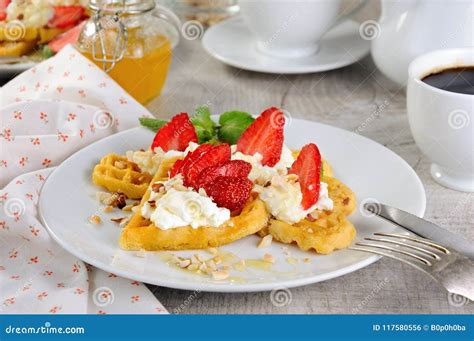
{"x": 414, "y": 251}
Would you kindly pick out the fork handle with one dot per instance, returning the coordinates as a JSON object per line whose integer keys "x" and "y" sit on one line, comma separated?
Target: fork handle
{"x": 424, "y": 228}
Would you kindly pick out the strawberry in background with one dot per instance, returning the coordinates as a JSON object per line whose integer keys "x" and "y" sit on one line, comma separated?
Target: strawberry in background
{"x": 67, "y": 16}
{"x": 3, "y": 9}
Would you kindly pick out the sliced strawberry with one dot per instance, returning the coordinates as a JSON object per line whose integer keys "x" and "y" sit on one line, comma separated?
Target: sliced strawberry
{"x": 196, "y": 154}
{"x": 214, "y": 156}
{"x": 264, "y": 136}
{"x": 3, "y": 9}
{"x": 176, "y": 169}
{"x": 308, "y": 168}
{"x": 235, "y": 168}
{"x": 229, "y": 192}
{"x": 68, "y": 37}
{"x": 176, "y": 134}
{"x": 66, "y": 16}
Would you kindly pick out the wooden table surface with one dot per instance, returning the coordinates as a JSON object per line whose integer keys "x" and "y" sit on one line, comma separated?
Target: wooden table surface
{"x": 347, "y": 98}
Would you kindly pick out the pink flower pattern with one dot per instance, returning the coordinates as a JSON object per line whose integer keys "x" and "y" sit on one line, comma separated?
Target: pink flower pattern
{"x": 34, "y": 269}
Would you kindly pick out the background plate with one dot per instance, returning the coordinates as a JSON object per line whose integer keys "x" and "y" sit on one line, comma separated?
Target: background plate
{"x": 371, "y": 170}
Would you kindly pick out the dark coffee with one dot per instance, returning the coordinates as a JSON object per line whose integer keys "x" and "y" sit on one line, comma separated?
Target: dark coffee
{"x": 457, "y": 79}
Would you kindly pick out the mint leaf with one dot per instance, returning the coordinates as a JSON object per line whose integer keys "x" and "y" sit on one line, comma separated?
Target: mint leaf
{"x": 47, "y": 52}
{"x": 152, "y": 123}
{"x": 204, "y": 125}
{"x": 233, "y": 124}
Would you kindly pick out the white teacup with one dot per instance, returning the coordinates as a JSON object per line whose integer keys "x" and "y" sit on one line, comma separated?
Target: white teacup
{"x": 286, "y": 28}
{"x": 442, "y": 122}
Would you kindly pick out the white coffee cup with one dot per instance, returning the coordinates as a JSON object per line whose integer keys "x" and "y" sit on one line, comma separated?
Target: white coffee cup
{"x": 442, "y": 122}
{"x": 285, "y": 28}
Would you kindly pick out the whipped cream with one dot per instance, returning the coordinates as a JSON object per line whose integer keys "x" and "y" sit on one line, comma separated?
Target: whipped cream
{"x": 149, "y": 161}
{"x": 283, "y": 199}
{"x": 179, "y": 206}
{"x": 261, "y": 174}
{"x": 32, "y": 13}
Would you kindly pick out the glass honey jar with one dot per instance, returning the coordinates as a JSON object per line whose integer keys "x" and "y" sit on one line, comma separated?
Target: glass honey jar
{"x": 131, "y": 40}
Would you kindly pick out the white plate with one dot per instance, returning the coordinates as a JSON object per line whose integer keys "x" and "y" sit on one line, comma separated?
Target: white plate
{"x": 371, "y": 170}
{"x": 232, "y": 43}
{"x": 12, "y": 69}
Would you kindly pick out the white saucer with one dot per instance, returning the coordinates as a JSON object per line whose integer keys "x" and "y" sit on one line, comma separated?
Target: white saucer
{"x": 232, "y": 43}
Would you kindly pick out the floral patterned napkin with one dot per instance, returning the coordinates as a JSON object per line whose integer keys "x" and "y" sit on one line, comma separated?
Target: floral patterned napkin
{"x": 47, "y": 113}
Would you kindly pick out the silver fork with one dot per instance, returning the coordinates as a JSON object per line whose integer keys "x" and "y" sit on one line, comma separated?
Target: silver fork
{"x": 451, "y": 269}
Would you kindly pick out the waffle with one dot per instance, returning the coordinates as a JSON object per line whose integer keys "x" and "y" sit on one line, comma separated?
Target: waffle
{"x": 117, "y": 174}
{"x": 331, "y": 231}
{"x": 140, "y": 233}
{"x": 18, "y": 41}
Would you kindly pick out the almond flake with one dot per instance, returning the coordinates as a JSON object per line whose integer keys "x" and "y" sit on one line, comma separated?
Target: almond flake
{"x": 108, "y": 209}
{"x": 268, "y": 258}
{"x": 156, "y": 187}
{"x": 95, "y": 219}
{"x": 184, "y": 263}
{"x": 193, "y": 267}
{"x": 120, "y": 164}
{"x": 195, "y": 260}
{"x": 213, "y": 251}
{"x": 203, "y": 267}
{"x": 211, "y": 265}
{"x": 127, "y": 208}
{"x": 266, "y": 241}
{"x": 220, "y": 275}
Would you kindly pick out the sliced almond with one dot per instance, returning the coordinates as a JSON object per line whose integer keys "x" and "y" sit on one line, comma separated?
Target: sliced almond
{"x": 184, "y": 263}
{"x": 220, "y": 275}
{"x": 266, "y": 241}
{"x": 268, "y": 258}
{"x": 193, "y": 267}
{"x": 217, "y": 259}
{"x": 156, "y": 187}
{"x": 213, "y": 251}
{"x": 95, "y": 219}
{"x": 211, "y": 265}
{"x": 128, "y": 208}
{"x": 120, "y": 164}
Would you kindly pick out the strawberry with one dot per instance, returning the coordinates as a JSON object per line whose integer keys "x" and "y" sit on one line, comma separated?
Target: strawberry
{"x": 68, "y": 37}
{"x": 3, "y": 9}
{"x": 216, "y": 155}
{"x": 264, "y": 136}
{"x": 176, "y": 169}
{"x": 229, "y": 192}
{"x": 235, "y": 168}
{"x": 176, "y": 134}
{"x": 67, "y": 16}
{"x": 189, "y": 159}
{"x": 308, "y": 168}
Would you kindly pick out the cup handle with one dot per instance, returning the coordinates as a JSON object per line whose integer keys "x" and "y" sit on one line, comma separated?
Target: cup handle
{"x": 169, "y": 16}
{"x": 350, "y": 14}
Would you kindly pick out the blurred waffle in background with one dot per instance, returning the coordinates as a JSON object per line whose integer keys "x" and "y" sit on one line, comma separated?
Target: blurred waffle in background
{"x": 28, "y": 26}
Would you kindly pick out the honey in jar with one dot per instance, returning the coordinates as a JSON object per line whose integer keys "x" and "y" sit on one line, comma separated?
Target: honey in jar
{"x": 131, "y": 40}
